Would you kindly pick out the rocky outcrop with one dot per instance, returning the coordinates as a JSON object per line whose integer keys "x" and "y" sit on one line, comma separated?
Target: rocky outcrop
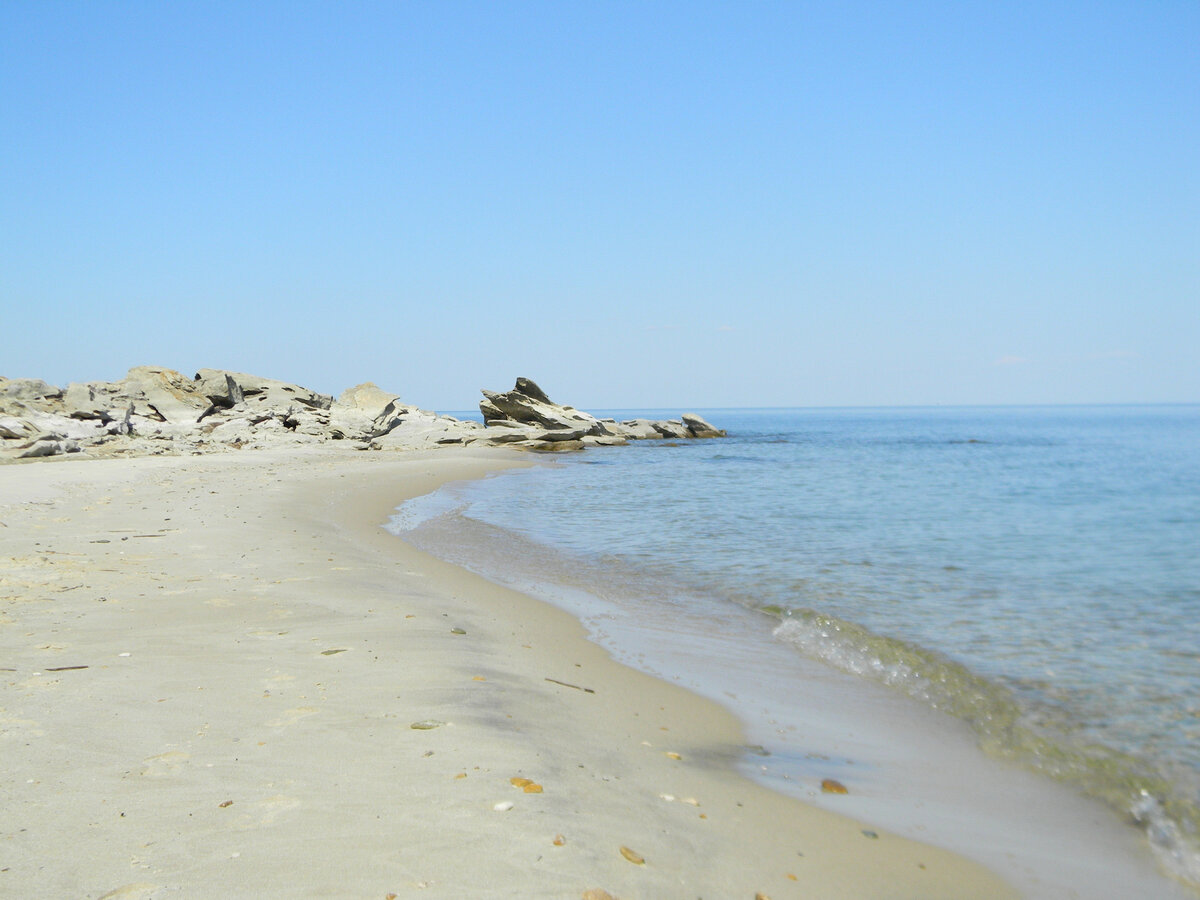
{"x": 154, "y": 410}
{"x": 527, "y": 417}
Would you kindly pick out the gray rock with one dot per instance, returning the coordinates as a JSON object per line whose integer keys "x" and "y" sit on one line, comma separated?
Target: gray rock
{"x": 28, "y": 389}
{"x": 605, "y": 440}
{"x": 44, "y": 447}
{"x": 367, "y": 398}
{"x": 89, "y": 401}
{"x": 171, "y": 396}
{"x": 555, "y": 435}
{"x": 220, "y": 388}
{"x": 639, "y": 430}
{"x": 16, "y": 429}
{"x": 506, "y": 435}
{"x": 528, "y": 404}
{"x": 699, "y": 428}
{"x": 671, "y": 429}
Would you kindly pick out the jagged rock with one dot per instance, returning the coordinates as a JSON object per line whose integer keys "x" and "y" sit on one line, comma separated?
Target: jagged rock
{"x": 366, "y": 398}
{"x": 699, "y": 428}
{"x": 170, "y": 395}
{"x": 530, "y": 389}
{"x": 28, "y": 389}
{"x": 89, "y": 401}
{"x": 48, "y": 447}
{"x": 527, "y": 403}
{"x": 15, "y": 429}
{"x": 154, "y": 410}
{"x": 639, "y": 430}
{"x": 220, "y": 388}
{"x": 400, "y": 426}
{"x": 671, "y": 429}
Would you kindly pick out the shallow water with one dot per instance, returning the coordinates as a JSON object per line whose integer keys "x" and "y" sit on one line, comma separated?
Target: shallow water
{"x": 1034, "y": 572}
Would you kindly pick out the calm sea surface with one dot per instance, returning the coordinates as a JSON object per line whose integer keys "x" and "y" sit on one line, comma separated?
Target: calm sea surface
{"x": 1034, "y": 571}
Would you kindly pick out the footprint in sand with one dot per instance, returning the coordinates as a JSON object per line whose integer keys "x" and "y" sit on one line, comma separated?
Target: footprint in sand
{"x": 265, "y": 812}
{"x": 165, "y": 764}
{"x": 292, "y": 716}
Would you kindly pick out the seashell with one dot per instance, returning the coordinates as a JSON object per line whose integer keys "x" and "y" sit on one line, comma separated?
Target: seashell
{"x": 457, "y": 631}
{"x": 520, "y": 782}
{"x": 633, "y": 857}
{"x": 668, "y": 797}
{"x": 426, "y": 725}
{"x": 829, "y": 786}
{"x": 503, "y": 807}
{"x": 671, "y": 754}
{"x": 532, "y": 788}
{"x": 559, "y": 840}
{"x": 691, "y": 801}
{"x": 225, "y": 804}
{"x": 597, "y": 894}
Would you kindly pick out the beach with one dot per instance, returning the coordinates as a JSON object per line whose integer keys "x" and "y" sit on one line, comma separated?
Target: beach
{"x": 224, "y": 678}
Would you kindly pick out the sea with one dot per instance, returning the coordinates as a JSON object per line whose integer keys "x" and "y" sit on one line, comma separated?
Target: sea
{"x": 1033, "y": 573}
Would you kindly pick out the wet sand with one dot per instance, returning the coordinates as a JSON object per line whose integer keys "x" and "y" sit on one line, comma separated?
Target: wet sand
{"x": 212, "y": 667}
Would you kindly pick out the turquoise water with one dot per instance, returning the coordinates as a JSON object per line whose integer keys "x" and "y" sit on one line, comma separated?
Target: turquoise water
{"x": 1034, "y": 571}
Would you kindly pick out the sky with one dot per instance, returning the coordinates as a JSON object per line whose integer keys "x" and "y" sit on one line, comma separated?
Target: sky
{"x": 638, "y": 205}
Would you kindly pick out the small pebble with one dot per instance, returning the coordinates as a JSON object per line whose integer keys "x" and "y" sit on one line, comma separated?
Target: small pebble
{"x": 559, "y": 840}
{"x": 426, "y": 724}
{"x": 671, "y": 754}
{"x": 870, "y": 834}
{"x": 830, "y": 786}
{"x": 503, "y": 807}
{"x": 457, "y": 631}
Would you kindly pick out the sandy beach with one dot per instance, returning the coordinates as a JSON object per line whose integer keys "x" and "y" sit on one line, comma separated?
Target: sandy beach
{"x": 222, "y": 678}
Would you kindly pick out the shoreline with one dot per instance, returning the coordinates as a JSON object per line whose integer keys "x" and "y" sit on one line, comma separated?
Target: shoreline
{"x": 254, "y": 663}
{"x": 911, "y": 768}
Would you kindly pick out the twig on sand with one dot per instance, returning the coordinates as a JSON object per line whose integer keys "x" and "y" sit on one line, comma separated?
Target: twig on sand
{"x": 577, "y": 687}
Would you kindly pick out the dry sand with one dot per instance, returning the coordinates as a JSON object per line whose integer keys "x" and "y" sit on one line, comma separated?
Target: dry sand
{"x": 212, "y": 667}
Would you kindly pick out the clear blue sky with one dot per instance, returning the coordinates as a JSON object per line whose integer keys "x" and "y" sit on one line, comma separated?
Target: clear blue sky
{"x": 636, "y": 204}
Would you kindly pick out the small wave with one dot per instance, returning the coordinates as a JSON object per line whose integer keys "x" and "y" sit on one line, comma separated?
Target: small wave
{"x": 1170, "y": 821}
{"x": 413, "y": 513}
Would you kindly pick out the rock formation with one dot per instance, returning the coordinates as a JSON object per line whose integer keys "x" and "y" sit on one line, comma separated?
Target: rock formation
{"x": 155, "y": 410}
